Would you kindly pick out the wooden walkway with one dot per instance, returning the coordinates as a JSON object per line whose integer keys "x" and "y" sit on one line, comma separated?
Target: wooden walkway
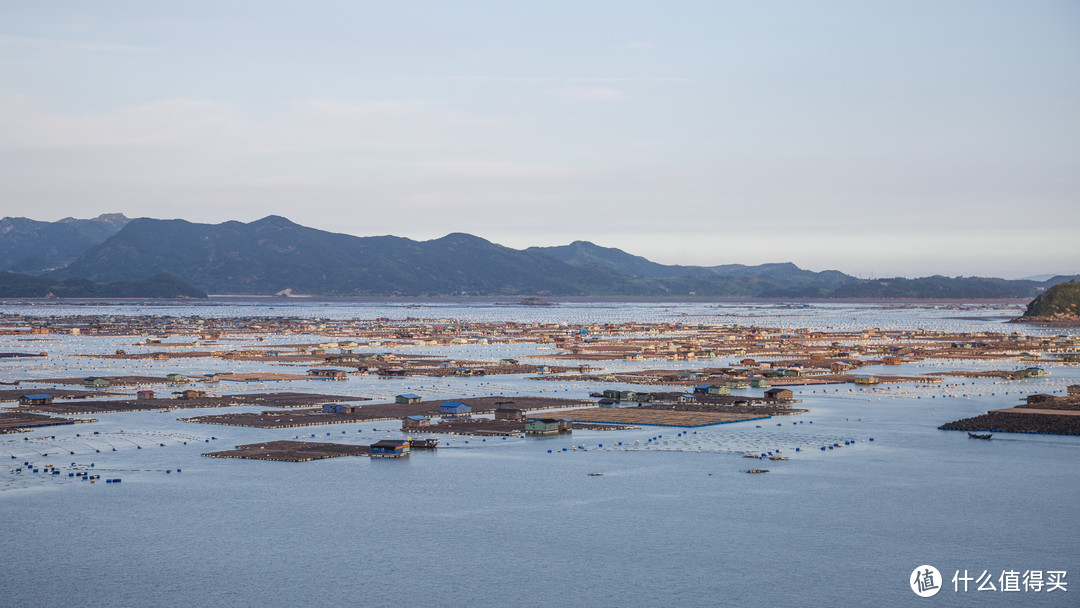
{"x": 652, "y": 417}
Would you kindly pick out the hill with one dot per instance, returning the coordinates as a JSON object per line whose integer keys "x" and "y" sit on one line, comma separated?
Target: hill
{"x": 31, "y": 246}
{"x": 1059, "y": 303}
{"x": 770, "y": 278}
{"x": 273, "y": 255}
{"x": 15, "y": 285}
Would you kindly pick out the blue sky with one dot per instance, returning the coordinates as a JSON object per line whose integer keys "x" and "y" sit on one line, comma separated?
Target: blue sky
{"x": 886, "y": 138}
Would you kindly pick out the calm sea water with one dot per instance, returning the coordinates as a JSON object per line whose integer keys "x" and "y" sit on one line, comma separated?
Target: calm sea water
{"x": 673, "y": 521}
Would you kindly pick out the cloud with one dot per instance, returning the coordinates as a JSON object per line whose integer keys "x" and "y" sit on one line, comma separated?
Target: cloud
{"x": 307, "y": 125}
{"x": 584, "y": 80}
{"x": 55, "y": 45}
{"x": 497, "y": 169}
{"x": 584, "y": 93}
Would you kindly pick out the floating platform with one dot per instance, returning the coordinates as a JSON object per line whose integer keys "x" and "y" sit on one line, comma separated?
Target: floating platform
{"x": 654, "y": 417}
{"x": 18, "y": 422}
{"x": 56, "y": 393}
{"x": 1060, "y": 416}
{"x": 292, "y": 451}
{"x": 282, "y": 400}
{"x": 380, "y": 411}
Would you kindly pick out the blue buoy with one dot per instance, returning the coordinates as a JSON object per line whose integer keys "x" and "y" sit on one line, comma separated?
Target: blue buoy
{"x": 549, "y": 451}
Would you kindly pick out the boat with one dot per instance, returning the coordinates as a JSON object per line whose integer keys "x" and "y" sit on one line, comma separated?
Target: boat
{"x": 975, "y": 436}
{"x": 595, "y": 474}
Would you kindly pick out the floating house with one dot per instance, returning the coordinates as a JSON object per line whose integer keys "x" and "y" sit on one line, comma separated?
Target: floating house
{"x": 737, "y": 383}
{"x": 542, "y": 426}
{"x": 407, "y": 398}
{"x": 509, "y": 413}
{"x": 342, "y": 358}
{"x": 329, "y": 374}
{"x": 455, "y": 408}
{"x": 866, "y": 380}
{"x": 621, "y": 395}
{"x": 95, "y": 382}
{"x": 390, "y": 448}
{"x": 176, "y": 378}
{"x": 333, "y": 408}
{"x": 39, "y": 399}
{"x": 413, "y": 422}
{"x": 144, "y": 394}
{"x": 759, "y": 383}
{"x": 779, "y": 394}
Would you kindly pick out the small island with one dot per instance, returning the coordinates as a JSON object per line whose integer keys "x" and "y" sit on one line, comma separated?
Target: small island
{"x": 1059, "y": 306}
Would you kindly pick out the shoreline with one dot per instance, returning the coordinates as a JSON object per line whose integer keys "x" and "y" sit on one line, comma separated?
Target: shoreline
{"x": 219, "y": 299}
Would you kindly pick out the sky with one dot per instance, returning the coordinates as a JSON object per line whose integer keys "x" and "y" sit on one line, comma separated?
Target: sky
{"x": 902, "y": 138}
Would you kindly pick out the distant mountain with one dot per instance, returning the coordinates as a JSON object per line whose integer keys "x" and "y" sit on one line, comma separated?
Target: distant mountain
{"x": 1060, "y": 302}
{"x": 274, "y": 255}
{"x": 31, "y": 246}
{"x": 941, "y": 287}
{"x": 15, "y": 285}
{"x": 584, "y": 253}
{"x": 753, "y": 280}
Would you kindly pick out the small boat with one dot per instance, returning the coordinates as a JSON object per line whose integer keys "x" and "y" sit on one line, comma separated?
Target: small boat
{"x": 595, "y": 474}
{"x": 758, "y": 471}
{"x": 975, "y": 436}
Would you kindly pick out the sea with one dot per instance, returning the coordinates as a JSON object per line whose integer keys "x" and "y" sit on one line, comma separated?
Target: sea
{"x": 673, "y": 519}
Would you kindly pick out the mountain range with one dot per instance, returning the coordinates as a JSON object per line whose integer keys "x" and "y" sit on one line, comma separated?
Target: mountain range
{"x": 274, "y": 255}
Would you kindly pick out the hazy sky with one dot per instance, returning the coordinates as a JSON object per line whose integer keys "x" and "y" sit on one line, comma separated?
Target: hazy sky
{"x": 894, "y": 138}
